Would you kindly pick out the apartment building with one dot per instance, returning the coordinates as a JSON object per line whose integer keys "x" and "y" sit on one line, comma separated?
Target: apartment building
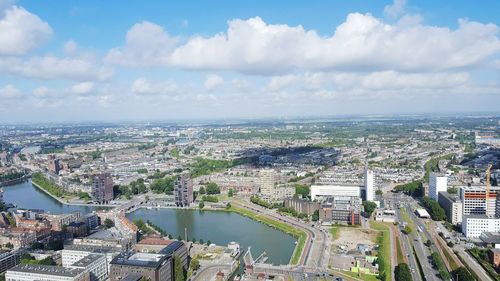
{"x": 30, "y": 272}
{"x": 474, "y": 225}
{"x": 452, "y": 206}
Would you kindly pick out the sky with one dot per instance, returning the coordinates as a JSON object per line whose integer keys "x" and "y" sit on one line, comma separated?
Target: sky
{"x": 169, "y": 60}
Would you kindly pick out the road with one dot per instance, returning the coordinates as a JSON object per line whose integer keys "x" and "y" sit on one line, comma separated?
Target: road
{"x": 315, "y": 253}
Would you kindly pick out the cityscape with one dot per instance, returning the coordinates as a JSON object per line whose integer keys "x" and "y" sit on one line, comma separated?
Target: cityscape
{"x": 278, "y": 149}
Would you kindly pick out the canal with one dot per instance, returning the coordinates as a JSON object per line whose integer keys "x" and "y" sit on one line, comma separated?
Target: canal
{"x": 217, "y": 226}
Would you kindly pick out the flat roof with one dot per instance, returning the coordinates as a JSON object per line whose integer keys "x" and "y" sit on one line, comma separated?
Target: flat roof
{"x": 171, "y": 248}
{"x": 89, "y": 259}
{"x": 139, "y": 259}
{"x": 423, "y": 213}
{"x": 490, "y": 237}
{"x": 47, "y": 270}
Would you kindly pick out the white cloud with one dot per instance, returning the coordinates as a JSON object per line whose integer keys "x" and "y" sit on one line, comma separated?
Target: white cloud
{"x": 213, "y": 82}
{"x": 50, "y": 67}
{"x": 21, "y": 31}
{"x": 361, "y": 43}
{"x": 396, "y": 9}
{"x": 44, "y": 93}
{"x": 70, "y": 47}
{"x": 82, "y": 88}
{"x": 144, "y": 86}
{"x": 278, "y": 83}
{"x": 10, "y": 92}
{"x": 146, "y": 44}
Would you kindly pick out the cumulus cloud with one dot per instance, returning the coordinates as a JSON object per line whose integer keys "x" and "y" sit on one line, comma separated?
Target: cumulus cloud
{"x": 70, "y": 47}
{"x": 50, "y": 67}
{"x": 10, "y": 92}
{"x": 396, "y": 9}
{"x": 143, "y": 86}
{"x": 212, "y": 82}
{"x": 278, "y": 83}
{"x": 21, "y": 31}
{"x": 146, "y": 44}
{"x": 361, "y": 43}
{"x": 82, "y": 88}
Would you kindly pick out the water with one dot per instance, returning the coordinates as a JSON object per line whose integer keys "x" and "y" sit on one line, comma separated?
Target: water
{"x": 221, "y": 228}
{"x": 218, "y": 227}
{"x": 27, "y": 196}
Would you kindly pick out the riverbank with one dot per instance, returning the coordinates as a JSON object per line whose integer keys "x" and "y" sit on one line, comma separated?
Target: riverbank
{"x": 300, "y": 235}
{"x": 60, "y": 200}
{"x": 15, "y": 181}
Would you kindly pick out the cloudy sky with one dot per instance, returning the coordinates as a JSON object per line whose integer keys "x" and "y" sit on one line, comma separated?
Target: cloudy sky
{"x": 128, "y": 60}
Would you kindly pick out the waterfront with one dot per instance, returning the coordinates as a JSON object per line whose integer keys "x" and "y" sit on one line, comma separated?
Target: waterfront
{"x": 25, "y": 195}
{"x": 219, "y": 227}
{"x": 222, "y": 227}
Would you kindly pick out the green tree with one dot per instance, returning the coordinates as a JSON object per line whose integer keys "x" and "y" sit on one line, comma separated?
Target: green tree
{"x": 462, "y": 273}
{"x": 201, "y": 205}
{"x": 369, "y": 207}
{"x": 407, "y": 230}
{"x": 9, "y": 245}
{"x": 209, "y": 242}
{"x": 230, "y": 193}
{"x": 213, "y": 188}
{"x": 109, "y": 223}
{"x": 202, "y": 242}
{"x": 195, "y": 264}
{"x": 178, "y": 269}
{"x": 315, "y": 216}
{"x": 402, "y": 272}
{"x": 302, "y": 190}
{"x": 202, "y": 191}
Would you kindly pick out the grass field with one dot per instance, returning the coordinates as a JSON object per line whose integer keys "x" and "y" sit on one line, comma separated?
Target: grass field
{"x": 297, "y": 233}
{"x": 399, "y": 251}
{"x": 335, "y": 232}
{"x": 385, "y": 247}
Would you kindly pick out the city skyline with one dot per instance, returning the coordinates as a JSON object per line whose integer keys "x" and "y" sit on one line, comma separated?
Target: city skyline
{"x": 91, "y": 61}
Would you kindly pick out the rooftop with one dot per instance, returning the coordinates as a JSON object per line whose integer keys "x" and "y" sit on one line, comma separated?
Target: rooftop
{"x": 47, "y": 270}
{"x": 154, "y": 241}
{"x": 84, "y": 262}
{"x": 490, "y": 237}
{"x": 171, "y": 248}
{"x": 139, "y": 259}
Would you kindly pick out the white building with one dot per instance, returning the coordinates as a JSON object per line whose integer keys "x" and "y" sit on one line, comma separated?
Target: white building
{"x": 271, "y": 190}
{"x": 334, "y": 190}
{"x": 267, "y": 182}
{"x": 95, "y": 264}
{"x": 437, "y": 184}
{"x": 369, "y": 185}
{"x": 73, "y": 253}
{"x": 474, "y": 225}
{"x": 30, "y": 272}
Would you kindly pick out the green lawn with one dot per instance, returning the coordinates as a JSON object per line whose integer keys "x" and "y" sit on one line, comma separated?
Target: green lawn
{"x": 297, "y": 233}
{"x": 364, "y": 277}
{"x": 385, "y": 247}
{"x": 399, "y": 251}
{"x": 335, "y": 232}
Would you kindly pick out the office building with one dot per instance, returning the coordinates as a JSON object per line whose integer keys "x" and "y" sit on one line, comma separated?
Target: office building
{"x": 102, "y": 188}
{"x": 31, "y": 272}
{"x": 54, "y": 166}
{"x": 369, "y": 185}
{"x": 341, "y": 210}
{"x": 301, "y": 205}
{"x": 474, "y": 225}
{"x": 452, "y": 206}
{"x": 183, "y": 191}
{"x": 9, "y": 260}
{"x": 177, "y": 249}
{"x": 475, "y": 202}
{"x": 95, "y": 264}
{"x": 437, "y": 183}
{"x": 58, "y": 221}
{"x": 73, "y": 253}
{"x": 154, "y": 267}
{"x": 322, "y": 191}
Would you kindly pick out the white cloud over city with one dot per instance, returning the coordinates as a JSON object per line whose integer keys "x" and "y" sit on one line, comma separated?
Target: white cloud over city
{"x": 254, "y": 63}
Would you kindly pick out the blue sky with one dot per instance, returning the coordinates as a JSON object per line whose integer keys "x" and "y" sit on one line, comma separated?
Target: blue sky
{"x": 136, "y": 60}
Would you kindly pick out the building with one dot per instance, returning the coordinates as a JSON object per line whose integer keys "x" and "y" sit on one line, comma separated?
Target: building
{"x": 475, "y": 202}
{"x": 45, "y": 273}
{"x": 423, "y": 214}
{"x": 177, "y": 249}
{"x": 474, "y": 225}
{"x": 437, "y": 183}
{"x": 95, "y": 264}
{"x": 9, "y": 260}
{"x": 323, "y": 191}
{"x": 341, "y": 209}
{"x": 102, "y": 188}
{"x": 302, "y": 205}
{"x": 452, "y": 206}
{"x": 369, "y": 184}
{"x": 59, "y": 221}
{"x": 495, "y": 257}
{"x": 73, "y": 253}
{"x": 77, "y": 228}
{"x": 154, "y": 267}
{"x": 183, "y": 191}
{"x": 151, "y": 245}
{"x": 267, "y": 180}
{"x": 54, "y": 166}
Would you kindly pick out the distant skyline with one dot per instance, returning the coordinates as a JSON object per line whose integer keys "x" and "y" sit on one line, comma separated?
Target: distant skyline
{"x": 156, "y": 60}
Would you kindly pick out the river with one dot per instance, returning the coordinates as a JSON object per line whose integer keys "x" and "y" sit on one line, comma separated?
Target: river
{"x": 217, "y": 226}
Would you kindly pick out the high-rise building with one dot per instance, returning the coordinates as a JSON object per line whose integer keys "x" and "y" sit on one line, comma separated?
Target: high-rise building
{"x": 437, "y": 184}
{"x": 102, "y": 188}
{"x": 183, "y": 191}
{"x": 267, "y": 183}
{"x": 54, "y": 166}
{"x": 452, "y": 206}
{"x": 475, "y": 202}
{"x": 369, "y": 185}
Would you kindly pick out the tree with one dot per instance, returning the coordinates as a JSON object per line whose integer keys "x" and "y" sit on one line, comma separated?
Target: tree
{"x": 402, "y": 272}
{"x": 369, "y": 207}
{"x": 315, "y": 216}
{"x": 9, "y": 245}
{"x": 209, "y": 242}
{"x": 437, "y": 213}
{"x": 228, "y": 205}
{"x": 202, "y": 242}
{"x": 202, "y": 191}
{"x": 230, "y": 193}
{"x": 195, "y": 264}
{"x": 213, "y": 188}
{"x": 201, "y": 205}
{"x": 407, "y": 229}
{"x": 379, "y": 192}
{"x": 461, "y": 273}
{"x": 302, "y": 190}
{"x": 109, "y": 223}
{"x": 178, "y": 269}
